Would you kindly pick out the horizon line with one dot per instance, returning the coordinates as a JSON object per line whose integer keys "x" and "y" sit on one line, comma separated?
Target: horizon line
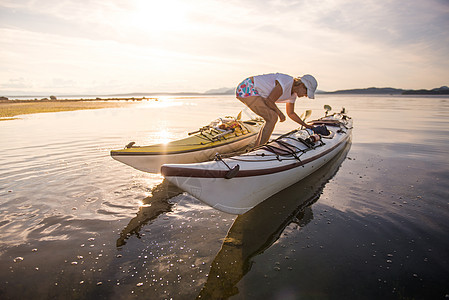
{"x": 229, "y": 91}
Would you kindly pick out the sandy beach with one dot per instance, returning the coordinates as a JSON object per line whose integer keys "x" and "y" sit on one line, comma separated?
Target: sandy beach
{"x": 9, "y": 109}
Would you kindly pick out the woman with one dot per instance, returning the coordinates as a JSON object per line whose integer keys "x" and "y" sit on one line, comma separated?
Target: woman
{"x": 261, "y": 93}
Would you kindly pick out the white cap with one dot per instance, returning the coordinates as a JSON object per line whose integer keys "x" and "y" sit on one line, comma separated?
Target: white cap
{"x": 311, "y": 85}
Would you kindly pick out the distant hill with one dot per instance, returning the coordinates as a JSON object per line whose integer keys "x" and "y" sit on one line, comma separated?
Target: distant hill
{"x": 444, "y": 90}
{"x": 369, "y": 91}
{"x": 221, "y": 91}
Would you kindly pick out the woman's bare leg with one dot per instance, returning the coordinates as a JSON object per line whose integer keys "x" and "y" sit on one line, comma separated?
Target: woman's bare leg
{"x": 257, "y": 105}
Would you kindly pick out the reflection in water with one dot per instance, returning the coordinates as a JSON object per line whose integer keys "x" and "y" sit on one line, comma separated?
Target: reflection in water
{"x": 255, "y": 231}
{"x": 152, "y": 207}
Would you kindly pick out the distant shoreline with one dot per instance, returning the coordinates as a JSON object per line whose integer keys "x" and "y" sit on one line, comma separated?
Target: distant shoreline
{"x": 10, "y": 109}
{"x": 444, "y": 90}
{"x": 58, "y": 100}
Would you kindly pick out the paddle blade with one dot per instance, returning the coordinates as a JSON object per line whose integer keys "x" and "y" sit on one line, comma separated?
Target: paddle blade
{"x": 239, "y": 116}
{"x": 307, "y": 114}
{"x": 327, "y": 108}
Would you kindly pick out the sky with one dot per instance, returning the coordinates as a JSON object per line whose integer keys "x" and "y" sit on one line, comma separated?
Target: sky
{"x": 116, "y": 46}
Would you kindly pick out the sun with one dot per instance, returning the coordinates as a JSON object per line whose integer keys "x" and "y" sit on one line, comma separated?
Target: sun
{"x": 159, "y": 17}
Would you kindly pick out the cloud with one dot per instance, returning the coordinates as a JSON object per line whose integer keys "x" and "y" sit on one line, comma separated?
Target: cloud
{"x": 391, "y": 23}
{"x": 214, "y": 43}
{"x": 15, "y": 83}
{"x": 62, "y": 83}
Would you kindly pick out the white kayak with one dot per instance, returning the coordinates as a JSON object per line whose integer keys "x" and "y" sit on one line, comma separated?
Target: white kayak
{"x": 237, "y": 184}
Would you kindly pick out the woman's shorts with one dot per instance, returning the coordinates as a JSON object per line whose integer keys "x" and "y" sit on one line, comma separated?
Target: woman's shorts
{"x": 246, "y": 89}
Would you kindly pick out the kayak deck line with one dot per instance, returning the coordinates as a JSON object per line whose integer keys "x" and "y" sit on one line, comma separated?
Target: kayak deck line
{"x": 208, "y": 173}
{"x": 288, "y": 149}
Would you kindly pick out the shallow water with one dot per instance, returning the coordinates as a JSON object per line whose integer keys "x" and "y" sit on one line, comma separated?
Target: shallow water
{"x": 372, "y": 224}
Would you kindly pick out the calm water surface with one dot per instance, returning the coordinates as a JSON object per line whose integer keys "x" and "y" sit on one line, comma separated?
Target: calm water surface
{"x": 372, "y": 224}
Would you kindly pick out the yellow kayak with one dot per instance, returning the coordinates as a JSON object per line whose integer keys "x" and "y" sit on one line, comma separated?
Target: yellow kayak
{"x": 224, "y": 135}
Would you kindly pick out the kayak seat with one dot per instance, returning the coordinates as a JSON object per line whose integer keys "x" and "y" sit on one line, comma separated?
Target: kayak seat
{"x": 330, "y": 136}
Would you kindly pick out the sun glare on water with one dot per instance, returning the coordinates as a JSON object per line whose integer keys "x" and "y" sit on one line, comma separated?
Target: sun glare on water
{"x": 161, "y": 102}
{"x": 162, "y": 136}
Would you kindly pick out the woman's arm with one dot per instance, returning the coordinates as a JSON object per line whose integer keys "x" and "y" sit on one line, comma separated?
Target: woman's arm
{"x": 273, "y": 97}
{"x": 292, "y": 115}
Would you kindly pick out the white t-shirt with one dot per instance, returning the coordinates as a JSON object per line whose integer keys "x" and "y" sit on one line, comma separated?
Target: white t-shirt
{"x": 264, "y": 84}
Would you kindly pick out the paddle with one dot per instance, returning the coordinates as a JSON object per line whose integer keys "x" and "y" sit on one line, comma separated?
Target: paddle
{"x": 327, "y": 108}
{"x": 305, "y": 115}
{"x": 239, "y": 116}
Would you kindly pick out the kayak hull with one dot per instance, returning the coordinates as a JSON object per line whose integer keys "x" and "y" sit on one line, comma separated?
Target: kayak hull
{"x": 197, "y": 148}
{"x": 259, "y": 175}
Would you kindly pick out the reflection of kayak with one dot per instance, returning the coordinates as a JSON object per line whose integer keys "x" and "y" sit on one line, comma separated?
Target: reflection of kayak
{"x": 237, "y": 184}
{"x": 255, "y": 231}
{"x": 152, "y": 206}
{"x": 221, "y": 136}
